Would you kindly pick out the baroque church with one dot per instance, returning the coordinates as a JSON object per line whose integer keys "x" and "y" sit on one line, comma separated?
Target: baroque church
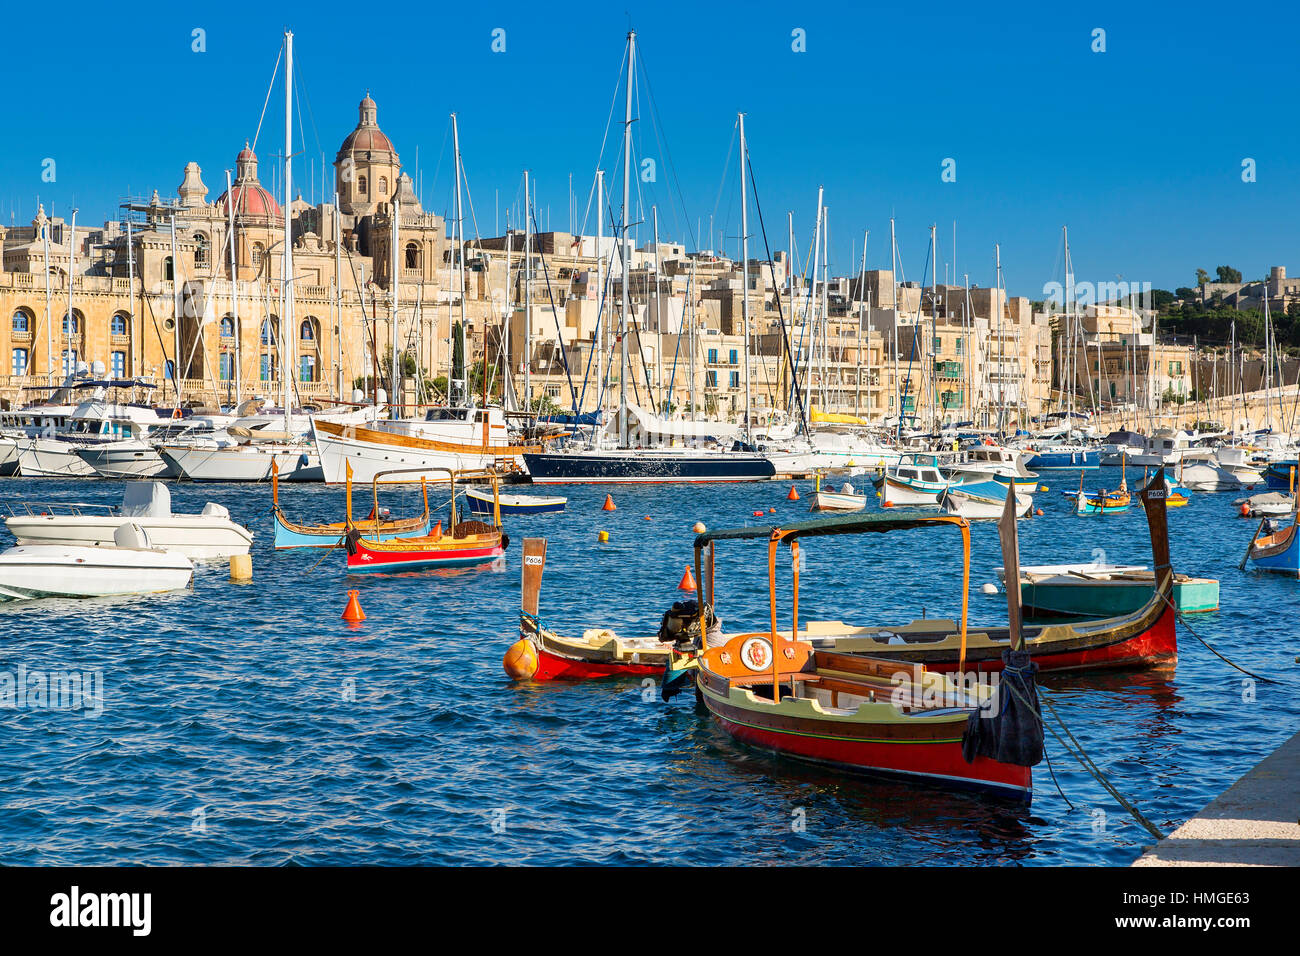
{"x": 143, "y": 294}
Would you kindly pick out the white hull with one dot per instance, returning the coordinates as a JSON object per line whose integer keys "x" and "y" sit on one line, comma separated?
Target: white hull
{"x": 368, "y": 458}
{"x": 37, "y": 571}
{"x": 129, "y": 459}
{"x": 243, "y": 462}
{"x": 838, "y": 501}
{"x": 1208, "y": 477}
{"x": 198, "y": 537}
{"x": 50, "y": 458}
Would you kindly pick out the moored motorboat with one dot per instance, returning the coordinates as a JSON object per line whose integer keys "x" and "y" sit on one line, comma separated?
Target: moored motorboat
{"x": 482, "y": 503}
{"x": 1101, "y": 590}
{"x": 1268, "y": 504}
{"x": 959, "y": 501}
{"x": 207, "y": 535}
{"x": 129, "y": 566}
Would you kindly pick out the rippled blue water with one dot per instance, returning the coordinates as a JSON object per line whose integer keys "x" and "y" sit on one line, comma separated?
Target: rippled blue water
{"x": 249, "y": 724}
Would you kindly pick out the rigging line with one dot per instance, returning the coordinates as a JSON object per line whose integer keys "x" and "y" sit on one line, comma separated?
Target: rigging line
{"x": 907, "y": 381}
{"x": 300, "y": 86}
{"x": 613, "y": 102}
{"x": 559, "y": 335}
{"x": 626, "y": 272}
{"x": 663, "y": 146}
{"x": 270, "y": 86}
{"x": 726, "y": 168}
{"x": 758, "y": 207}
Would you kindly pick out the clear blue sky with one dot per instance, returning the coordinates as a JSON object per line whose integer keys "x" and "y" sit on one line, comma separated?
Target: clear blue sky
{"x": 1137, "y": 149}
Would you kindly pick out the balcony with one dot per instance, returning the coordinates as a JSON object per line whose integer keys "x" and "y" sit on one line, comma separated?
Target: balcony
{"x": 947, "y": 369}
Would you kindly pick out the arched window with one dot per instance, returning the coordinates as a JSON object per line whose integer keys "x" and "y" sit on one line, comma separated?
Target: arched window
{"x": 383, "y": 186}
{"x": 169, "y": 370}
{"x": 168, "y": 272}
{"x": 72, "y": 323}
{"x": 412, "y": 255}
{"x": 117, "y": 325}
{"x": 361, "y": 185}
{"x": 255, "y": 256}
{"x": 200, "y": 250}
{"x": 18, "y": 362}
{"x": 21, "y": 321}
{"x": 308, "y": 330}
{"x": 227, "y": 326}
{"x": 270, "y": 328}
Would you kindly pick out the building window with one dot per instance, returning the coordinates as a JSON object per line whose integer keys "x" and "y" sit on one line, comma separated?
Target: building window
{"x": 227, "y": 326}
{"x": 957, "y": 344}
{"x": 255, "y": 256}
{"x": 735, "y": 380}
{"x": 69, "y": 361}
{"x": 267, "y": 368}
{"x": 383, "y": 186}
{"x": 307, "y": 368}
{"x": 169, "y": 370}
{"x": 168, "y": 272}
{"x": 200, "y": 250}
{"x": 117, "y": 325}
{"x": 21, "y": 322}
{"x": 71, "y": 323}
{"x": 117, "y": 363}
{"x": 361, "y": 185}
{"x": 710, "y": 379}
{"x": 308, "y": 330}
{"x": 713, "y": 356}
{"x": 268, "y": 330}
{"x": 412, "y": 256}
{"x": 938, "y": 343}
{"x": 18, "y": 362}
{"x": 733, "y": 356}
{"x": 226, "y": 366}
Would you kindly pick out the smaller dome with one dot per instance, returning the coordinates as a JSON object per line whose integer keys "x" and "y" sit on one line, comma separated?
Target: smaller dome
{"x": 249, "y": 197}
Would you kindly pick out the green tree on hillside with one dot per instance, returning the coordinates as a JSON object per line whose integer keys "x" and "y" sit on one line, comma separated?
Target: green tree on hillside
{"x": 1202, "y": 277}
{"x": 1228, "y": 274}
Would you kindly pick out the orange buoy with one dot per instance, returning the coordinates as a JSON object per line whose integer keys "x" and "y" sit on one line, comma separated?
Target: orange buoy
{"x": 758, "y": 514}
{"x": 353, "y": 613}
{"x": 520, "y": 661}
{"x": 647, "y": 517}
{"x": 609, "y": 503}
{"x": 771, "y": 511}
{"x": 793, "y": 495}
{"x": 699, "y": 527}
{"x": 1245, "y": 510}
{"x": 688, "y": 581}
{"x": 1039, "y": 512}
{"x": 886, "y": 504}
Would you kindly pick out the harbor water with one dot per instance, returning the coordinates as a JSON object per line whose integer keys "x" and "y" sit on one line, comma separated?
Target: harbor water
{"x": 245, "y": 723}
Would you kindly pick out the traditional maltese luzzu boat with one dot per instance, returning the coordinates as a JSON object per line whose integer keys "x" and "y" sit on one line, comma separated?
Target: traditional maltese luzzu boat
{"x": 378, "y": 524}
{"x": 462, "y": 544}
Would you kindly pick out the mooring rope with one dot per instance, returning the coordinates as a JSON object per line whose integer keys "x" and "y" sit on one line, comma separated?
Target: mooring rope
{"x": 1183, "y": 620}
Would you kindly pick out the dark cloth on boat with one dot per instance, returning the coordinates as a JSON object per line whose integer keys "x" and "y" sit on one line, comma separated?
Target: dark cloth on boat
{"x": 1012, "y": 731}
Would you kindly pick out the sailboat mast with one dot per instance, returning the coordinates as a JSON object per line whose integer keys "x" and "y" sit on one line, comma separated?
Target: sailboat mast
{"x": 460, "y": 262}
{"x": 338, "y": 299}
{"x": 862, "y": 306}
{"x": 528, "y": 293}
{"x": 395, "y": 410}
{"x": 288, "y": 330}
{"x": 659, "y": 321}
{"x": 602, "y": 332}
{"x": 744, "y": 269}
{"x": 812, "y": 276}
{"x": 893, "y": 282}
{"x": 627, "y": 245}
{"x": 49, "y": 303}
{"x": 234, "y": 286}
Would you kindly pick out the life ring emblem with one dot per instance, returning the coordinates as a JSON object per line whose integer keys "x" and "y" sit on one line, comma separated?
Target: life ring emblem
{"x": 756, "y": 654}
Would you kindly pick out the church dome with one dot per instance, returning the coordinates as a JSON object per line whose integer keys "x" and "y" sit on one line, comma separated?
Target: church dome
{"x": 367, "y": 137}
{"x": 250, "y": 198}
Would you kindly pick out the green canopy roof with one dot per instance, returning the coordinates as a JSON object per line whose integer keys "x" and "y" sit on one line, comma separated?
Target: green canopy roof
{"x": 896, "y": 519}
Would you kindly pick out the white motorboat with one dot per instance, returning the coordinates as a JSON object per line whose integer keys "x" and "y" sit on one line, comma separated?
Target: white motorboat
{"x": 989, "y": 461}
{"x": 209, "y": 534}
{"x": 130, "y": 565}
{"x": 243, "y": 456}
{"x": 1199, "y": 470}
{"x": 957, "y": 502}
{"x": 51, "y": 452}
{"x": 139, "y": 457}
{"x": 916, "y": 480}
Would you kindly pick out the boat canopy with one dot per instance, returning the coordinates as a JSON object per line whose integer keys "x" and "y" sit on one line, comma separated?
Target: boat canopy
{"x": 1124, "y": 437}
{"x": 897, "y": 520}
{"x": 817, "y": 417}
{"x": 150, "y": 499}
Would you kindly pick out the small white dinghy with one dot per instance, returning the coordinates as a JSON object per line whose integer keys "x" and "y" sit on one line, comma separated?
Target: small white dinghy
{"x": 976, "y": 507}
{"x": 209, "y": 534}
{"x": 846, "y": 499}
{"x": 130, "y": 565}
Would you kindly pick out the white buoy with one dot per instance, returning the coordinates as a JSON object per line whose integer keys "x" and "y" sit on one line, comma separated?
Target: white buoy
{"x": 988, "y": 589}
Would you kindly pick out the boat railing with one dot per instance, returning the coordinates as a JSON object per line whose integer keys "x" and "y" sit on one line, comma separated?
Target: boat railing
{"x": 75, "y": 509}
